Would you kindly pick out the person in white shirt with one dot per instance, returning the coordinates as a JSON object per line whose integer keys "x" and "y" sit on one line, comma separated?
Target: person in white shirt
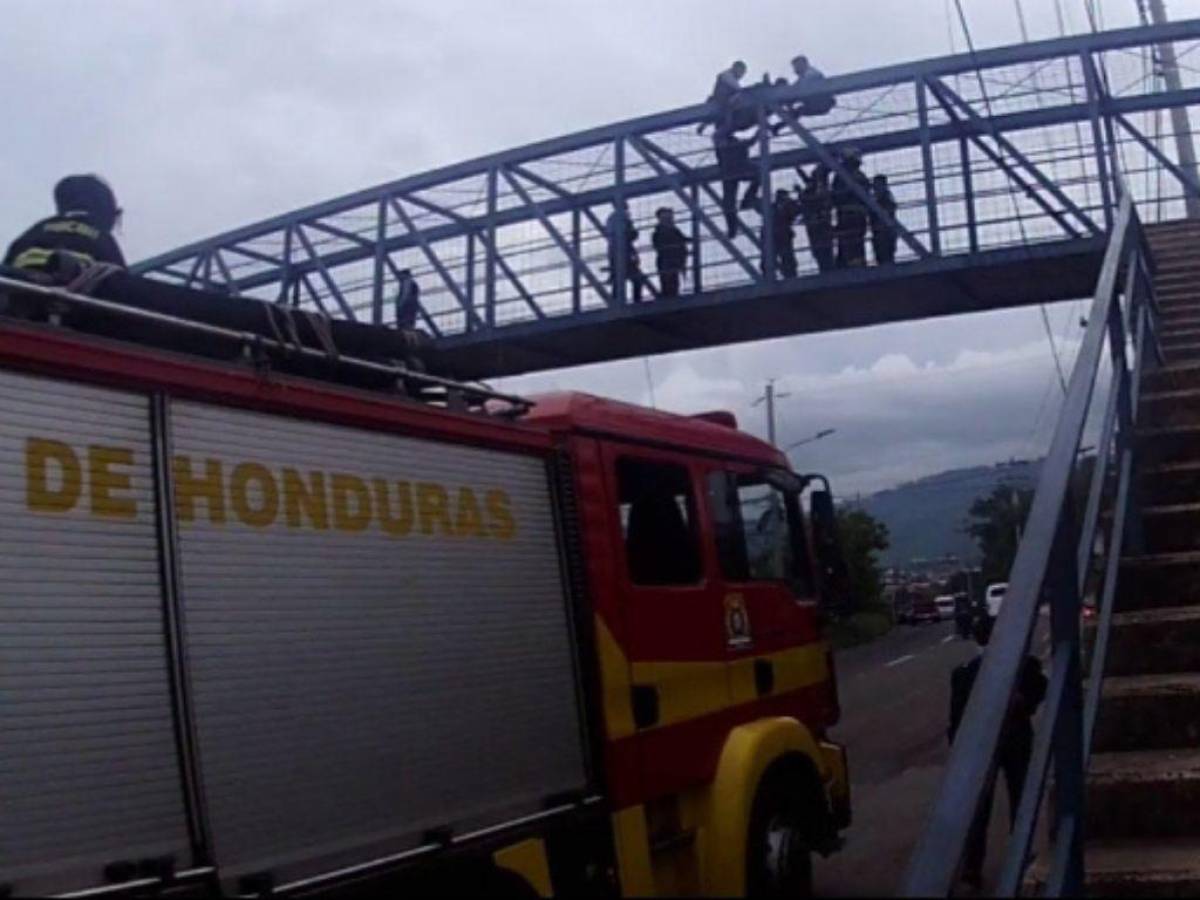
{"x": 725, "y": 91}
{"x": 816, "y": 103}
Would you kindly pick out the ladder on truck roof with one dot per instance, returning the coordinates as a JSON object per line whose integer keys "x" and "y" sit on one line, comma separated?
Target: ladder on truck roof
{"x": 268, "y": 336}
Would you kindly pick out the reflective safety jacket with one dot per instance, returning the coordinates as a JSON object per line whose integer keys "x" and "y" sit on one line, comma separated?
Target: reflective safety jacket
{"x": 73, "y": 233}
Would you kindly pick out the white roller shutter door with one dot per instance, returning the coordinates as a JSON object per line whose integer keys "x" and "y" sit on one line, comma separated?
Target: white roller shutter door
{"x": 353, "y": 685}
{"x": 88, "y": 766}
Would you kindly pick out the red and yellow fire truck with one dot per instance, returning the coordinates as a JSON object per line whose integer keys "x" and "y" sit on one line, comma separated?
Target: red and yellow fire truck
{"x": 279, "y": 618}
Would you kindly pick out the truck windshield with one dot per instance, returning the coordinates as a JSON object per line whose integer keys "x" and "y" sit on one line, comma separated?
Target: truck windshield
{"x": 759, "y": 531}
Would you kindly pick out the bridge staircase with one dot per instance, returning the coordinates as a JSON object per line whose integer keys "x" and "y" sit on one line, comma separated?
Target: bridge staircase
{"x": 1143, "y": 784}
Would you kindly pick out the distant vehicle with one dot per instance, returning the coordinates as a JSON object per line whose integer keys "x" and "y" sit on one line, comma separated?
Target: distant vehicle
{"x": 924, "y": 609}
{"x": 945, "y": 606}
{"x": 995, "y": 598}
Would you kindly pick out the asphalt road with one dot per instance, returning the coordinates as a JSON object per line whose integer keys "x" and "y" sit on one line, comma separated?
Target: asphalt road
{"x": 895, "y": 696}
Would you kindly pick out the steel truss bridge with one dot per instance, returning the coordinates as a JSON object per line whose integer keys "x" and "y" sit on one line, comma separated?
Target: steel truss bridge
{"x": 1004, "y": 164}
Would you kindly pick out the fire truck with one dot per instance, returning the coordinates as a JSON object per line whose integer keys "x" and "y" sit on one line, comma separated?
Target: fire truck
{"x": 285, "y": 613}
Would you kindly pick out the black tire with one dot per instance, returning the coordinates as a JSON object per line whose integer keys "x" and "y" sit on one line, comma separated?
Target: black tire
{"x": 778, "y": 845}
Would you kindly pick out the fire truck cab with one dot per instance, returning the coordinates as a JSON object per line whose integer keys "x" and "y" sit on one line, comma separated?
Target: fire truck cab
{"x": 716, "y": 686}
{"x": 279, "y": 619}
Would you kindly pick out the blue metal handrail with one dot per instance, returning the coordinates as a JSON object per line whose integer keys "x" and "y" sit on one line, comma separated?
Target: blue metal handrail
{"x": 1055, "y": 555}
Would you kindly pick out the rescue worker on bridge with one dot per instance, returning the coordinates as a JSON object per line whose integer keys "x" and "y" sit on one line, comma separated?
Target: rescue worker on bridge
{"x": 883, "y": 231}
{"x": 620, "y": 232}
{"x": 79, "y": 233}
{"x": 816, "y": 211}
{"x": 851, "y": 224}
{"x": 671, "y": 251}
{"x": 784, "y": 211}
{"x": 1013, "y": 752}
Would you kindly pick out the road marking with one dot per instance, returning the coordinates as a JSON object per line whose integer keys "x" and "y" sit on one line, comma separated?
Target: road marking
{"x": 896, "y": 662}
{"x": 947, "y": 639}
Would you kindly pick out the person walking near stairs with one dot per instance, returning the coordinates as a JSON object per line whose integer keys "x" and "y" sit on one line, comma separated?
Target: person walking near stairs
{"x": 1016, "y": 744}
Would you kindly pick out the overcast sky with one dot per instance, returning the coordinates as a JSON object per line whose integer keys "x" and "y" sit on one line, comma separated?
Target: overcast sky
{"x": 205, "y": 116}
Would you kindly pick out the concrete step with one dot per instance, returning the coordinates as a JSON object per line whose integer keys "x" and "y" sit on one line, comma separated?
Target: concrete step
{"x": 1174, "y": 483}
{"x": 1158, "y": 409}
{"x": 1163, "y": 641}
{"x": 1144, "y": 794}
{"x": 1174, "y": 336}
{"x": 1179, "y": 318}
{"x": 1171, "y": 529}
{"x": 1170, "y": 301}
{"x": 1142, "y": 868}
{"x": 1168, "y": 444}
{"x": 1158, "y": 582}
{"x": 1181, "y": 353}
{"x": 1172, "y": 377}
{"x": 1148, "y": 712}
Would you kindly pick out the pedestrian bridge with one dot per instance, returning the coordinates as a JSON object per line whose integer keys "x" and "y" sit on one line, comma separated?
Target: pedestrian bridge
{"x": 1004, "y": 164}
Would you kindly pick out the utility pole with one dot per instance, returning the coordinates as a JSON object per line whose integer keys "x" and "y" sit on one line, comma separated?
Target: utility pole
{"x": 769, "y": 397}
{"x": 1179, "y": 114}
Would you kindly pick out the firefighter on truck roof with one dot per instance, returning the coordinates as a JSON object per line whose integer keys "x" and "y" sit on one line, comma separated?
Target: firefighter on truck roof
{"x": 81, "y": 229}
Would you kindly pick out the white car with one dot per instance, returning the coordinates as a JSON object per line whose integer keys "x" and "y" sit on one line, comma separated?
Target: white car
{"x": 945, "y": 606}
{"x": 995, "y": 598}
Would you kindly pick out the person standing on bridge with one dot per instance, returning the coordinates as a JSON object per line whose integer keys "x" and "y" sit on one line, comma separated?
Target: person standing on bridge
{"x": 851, "y": 212}
{"x": 408, "y": 300}
{"x": 1013, "y": 751}
{"x": 621, "y": 234}
{"x": 883, "y": 231}
{"x": 671, "y": 251}
{"x": 784, "y": 211}
{"x": 816, "y": 211}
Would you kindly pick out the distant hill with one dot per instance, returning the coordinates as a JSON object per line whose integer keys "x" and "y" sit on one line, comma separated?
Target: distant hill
{"x": 926, "y": 518}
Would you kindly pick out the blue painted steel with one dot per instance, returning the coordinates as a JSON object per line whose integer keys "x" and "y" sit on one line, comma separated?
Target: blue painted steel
{"x": 528, "y": 274}
{"x": 1055, "y": 553}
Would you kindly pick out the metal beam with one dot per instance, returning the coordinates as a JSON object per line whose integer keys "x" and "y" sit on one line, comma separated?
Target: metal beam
{"x": 835, "y": 165}
{"x": 648, "y": 152}
{"x": 1181, "y": 175}
{"x": 434, "y": 260}
{"x": 563, "y": 244}
{"x": 952, "y": 100}
{"x": 688, "y": 116}
{"x": 334, "y": 291}
{"x": 1018, "y": 121}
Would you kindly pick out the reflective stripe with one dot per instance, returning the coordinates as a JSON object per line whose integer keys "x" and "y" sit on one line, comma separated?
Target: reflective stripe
{"x": 37, "y": 257}
{"x": 66, "y": 226}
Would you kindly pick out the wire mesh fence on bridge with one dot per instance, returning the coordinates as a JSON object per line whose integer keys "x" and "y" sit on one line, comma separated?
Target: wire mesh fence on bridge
{"x": 1003, "y": 148}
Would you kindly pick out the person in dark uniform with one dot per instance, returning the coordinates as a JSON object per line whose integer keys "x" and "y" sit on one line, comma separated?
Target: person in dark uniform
{"x": 408, "y": 300}
{"x": 1015, "y": 748}
{"x": 851, "y": 225}
{"x": 619, "y": 230}
{"x": 733, "y": 161}
{"x": 784, "y": 211}
{"x": 671, "y": 251}
{"x": 816, "y": 211}
{"x": 883, "y": 233}
{"x": 80, "y": 232}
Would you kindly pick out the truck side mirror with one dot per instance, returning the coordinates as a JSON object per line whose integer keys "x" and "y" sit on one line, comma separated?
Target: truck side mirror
{"x": 835, "y": 581}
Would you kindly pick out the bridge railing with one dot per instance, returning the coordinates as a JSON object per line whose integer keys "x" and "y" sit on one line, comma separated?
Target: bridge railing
{"x": 1001, "y": 148}
{"x": 1055, "y": 561}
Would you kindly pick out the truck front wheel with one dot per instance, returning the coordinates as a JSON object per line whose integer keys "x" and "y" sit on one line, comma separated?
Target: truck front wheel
{"x": 779, "y": 844}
